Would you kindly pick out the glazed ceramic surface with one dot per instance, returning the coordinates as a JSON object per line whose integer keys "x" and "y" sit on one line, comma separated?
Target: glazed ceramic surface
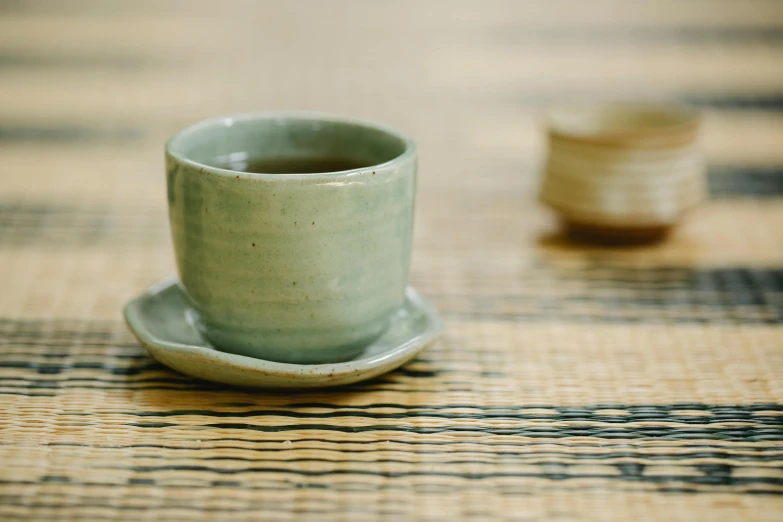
{"x": 623, "y": 165}
{"x": 299, "y": 268}
{"x": 160, "y": 319}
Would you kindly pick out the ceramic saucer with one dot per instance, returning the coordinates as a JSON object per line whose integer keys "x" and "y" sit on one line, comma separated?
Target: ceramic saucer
{"x": 159, "y": 320}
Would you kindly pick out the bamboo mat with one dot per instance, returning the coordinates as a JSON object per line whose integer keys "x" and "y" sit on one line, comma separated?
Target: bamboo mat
{"x": 572, "y": 383}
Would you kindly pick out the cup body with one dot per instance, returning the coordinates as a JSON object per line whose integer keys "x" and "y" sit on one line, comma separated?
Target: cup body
{"x": 299, "y": 268}
{"x": 621, "y": 168}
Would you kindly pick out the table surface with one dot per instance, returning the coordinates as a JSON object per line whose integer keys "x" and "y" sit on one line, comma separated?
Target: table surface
{"x": 572, "y": 383}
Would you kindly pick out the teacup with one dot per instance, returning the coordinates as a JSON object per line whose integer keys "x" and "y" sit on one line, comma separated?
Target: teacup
{"x": 623, "y": 172}
{"x": 297, "y": 267}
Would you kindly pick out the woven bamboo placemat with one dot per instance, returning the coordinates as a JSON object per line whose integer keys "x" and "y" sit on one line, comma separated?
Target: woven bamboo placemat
{"x": 573, "y": 382}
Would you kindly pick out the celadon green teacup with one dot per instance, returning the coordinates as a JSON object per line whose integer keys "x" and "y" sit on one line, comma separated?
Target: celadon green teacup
{"x": 293, "y": 267}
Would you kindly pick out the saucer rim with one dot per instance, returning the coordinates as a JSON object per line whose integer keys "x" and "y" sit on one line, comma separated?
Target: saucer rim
{"x": 406, "y": 350}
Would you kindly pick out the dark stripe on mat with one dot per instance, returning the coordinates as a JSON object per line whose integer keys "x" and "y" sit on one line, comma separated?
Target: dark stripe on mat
{"x": 68, "y": 134}
{"x": 65, "y": 225}
{"x": 630, "y": 455}
{"x": 719, "y": 475}
{"x": 598, "y": 291}
{"x": 739, "y": 434}
{"x": 91, "y": 8}
{"x": 701, "y": 414}
{"x": 760, "y": 102}
{"x": 420, "y": 446}
{"x": 85, "y": 60}
{"x": 713, "y": 482}
{"x": 637, "y": 35}
{"x": 736, "y": 181}
{"x": 770, "y": 102}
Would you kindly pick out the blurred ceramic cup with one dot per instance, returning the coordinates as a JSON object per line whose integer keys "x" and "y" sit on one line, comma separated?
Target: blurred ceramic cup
{"x": 622, "y": 172}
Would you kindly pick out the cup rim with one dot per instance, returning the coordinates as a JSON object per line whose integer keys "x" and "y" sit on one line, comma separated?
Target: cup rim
{"x": 230, "y": 119}
{"x": 585, "y": 123}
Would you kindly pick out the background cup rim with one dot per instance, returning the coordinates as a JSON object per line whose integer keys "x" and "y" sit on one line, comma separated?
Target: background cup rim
{"x": 586, "y": 123}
